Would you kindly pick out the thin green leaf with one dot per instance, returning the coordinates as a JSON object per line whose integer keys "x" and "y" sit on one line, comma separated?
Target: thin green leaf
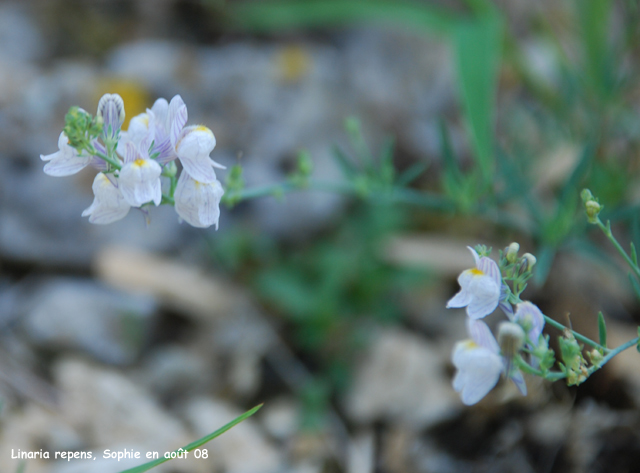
{"x": 387, "y": 169}
{"x": 477, "y": 51}
{"x": 594, "y": 22}
{"x": 278, "y": 15}
{"x": 196, "y": 444}
{"x": 343, "y": 161}
{"x": 546, "y": 256}
{"x": 411, "y": 174}
{"x": 635, "y": 285}
{"x": 449, "y": 160}
{"x": 602, "y": 330}
{"x": 634, "y": 254}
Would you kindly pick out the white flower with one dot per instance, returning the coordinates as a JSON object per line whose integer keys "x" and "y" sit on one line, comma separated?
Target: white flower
{"x": 139, "y": 178}
{"x": 193, "y": 148}
{"x": 531, "y": 319}
{"x": 478, "y": 362}
{"x": 480, "y": 288}
{"x": 109, "y": 204}
{"x": 197, "y": 203}
{"x": 66, "y": 161}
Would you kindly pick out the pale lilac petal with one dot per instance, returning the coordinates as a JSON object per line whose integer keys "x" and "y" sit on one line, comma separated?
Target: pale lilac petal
{"x": 193, "y": 150}
{"x": 461, "y": 299}
{"x": 64, "y": 162}
{"x": 160, "y": 111}
{"x": 177, "y": 118}
{"x": 481, "y": 335}
{"x": 130, "y": 153}
{"x": 490, "y": 268}
{"x": 108, "y": 205}
{"x": 530, "y": 316}
{"x": 507, "y": 309}
{"x": 476, "y": 257}
{"x": 518, "y": 380}
{"x": 165, "y": 151}
{"x": 140, "y": 182}
{"x": 478, "y": 371}
{"x": 486, "y": 296}
{"x": 111, "y": 109}
{"x": 197, "y": 203}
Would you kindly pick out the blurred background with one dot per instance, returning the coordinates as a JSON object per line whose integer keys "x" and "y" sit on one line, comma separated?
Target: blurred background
{"x": 486, "y": 118}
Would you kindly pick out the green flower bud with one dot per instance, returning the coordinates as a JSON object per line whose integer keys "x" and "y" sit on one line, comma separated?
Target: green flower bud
{"x": 586, "y": 195}
{"x": 512, "y": 252}
{"x": 593, "y": 209}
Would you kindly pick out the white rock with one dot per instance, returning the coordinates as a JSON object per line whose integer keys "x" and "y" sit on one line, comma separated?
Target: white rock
{"x": 401, "y": 380}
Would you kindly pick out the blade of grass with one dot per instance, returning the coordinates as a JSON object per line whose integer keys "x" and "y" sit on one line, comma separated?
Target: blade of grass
{"x": 477, "y": 46}
{"x": 196, "y": 444}
{"x": 266, "y": 16}
{"x": 594, "y": 25}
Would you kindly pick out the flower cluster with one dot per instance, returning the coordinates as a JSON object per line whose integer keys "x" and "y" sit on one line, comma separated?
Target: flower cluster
{"x": 481, "y": 360}
{"x": 137, "y": 166}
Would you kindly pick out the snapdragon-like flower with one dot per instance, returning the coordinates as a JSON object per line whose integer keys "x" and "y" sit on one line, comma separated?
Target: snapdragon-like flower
{"x": 481, "y": 288}
{"x": 132, "y": 163}
{"x": 109, "y": 205}
{"x": 193, "y": 147}
{"x": 66, "y": 161}
{"x": 197, "y": 203}
{"x": 140, "y": 176}
{"x": 479, "y": 363}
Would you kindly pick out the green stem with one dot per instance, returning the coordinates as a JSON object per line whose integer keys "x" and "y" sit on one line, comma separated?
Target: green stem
{"x": 606, "y": 229}
{"x": 106, "y": 158}
{"x": 527, "y": 368}
{"x": 618, "y": 350}
{"x": 578, "y": 336}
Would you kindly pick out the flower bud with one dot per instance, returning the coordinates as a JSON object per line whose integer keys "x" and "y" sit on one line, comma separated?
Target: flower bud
{"x": 512, "y": 252}
{"x": 111, "y": 110}
{"x": 593, "y": 209}
{"x": 530, "y": 260}
{"x": 586, "y": 195}
{"x": 510, "y": 338}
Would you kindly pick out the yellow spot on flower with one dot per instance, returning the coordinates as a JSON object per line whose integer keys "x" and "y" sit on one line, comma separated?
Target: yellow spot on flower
{"x": 476, "y": 272}
{"x": 139, "y": 162}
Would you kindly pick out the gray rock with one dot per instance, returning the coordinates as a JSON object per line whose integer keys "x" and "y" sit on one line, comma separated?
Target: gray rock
{"x": 402, "y": 381}
{"x": 82, "y": 315}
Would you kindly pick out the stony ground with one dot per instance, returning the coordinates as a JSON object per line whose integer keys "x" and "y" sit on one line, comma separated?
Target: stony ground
{"x": 129, "y": 336}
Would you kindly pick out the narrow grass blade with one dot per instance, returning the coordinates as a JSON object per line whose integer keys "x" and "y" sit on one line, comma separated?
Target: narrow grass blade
{"x": 594, "y": 25}
{"x": 265, "y": 16}
{"x": 196, "y": 444}
{"x": 635, "y": 285}
{"x": 411, "y": 173}
{"x": 477, "y": 45}
{"x": 602, "y": 330}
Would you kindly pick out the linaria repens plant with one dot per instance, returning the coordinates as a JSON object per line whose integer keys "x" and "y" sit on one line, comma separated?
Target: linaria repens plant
{"x": 521, "y": 345}
{"x": 133, "y": 164}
